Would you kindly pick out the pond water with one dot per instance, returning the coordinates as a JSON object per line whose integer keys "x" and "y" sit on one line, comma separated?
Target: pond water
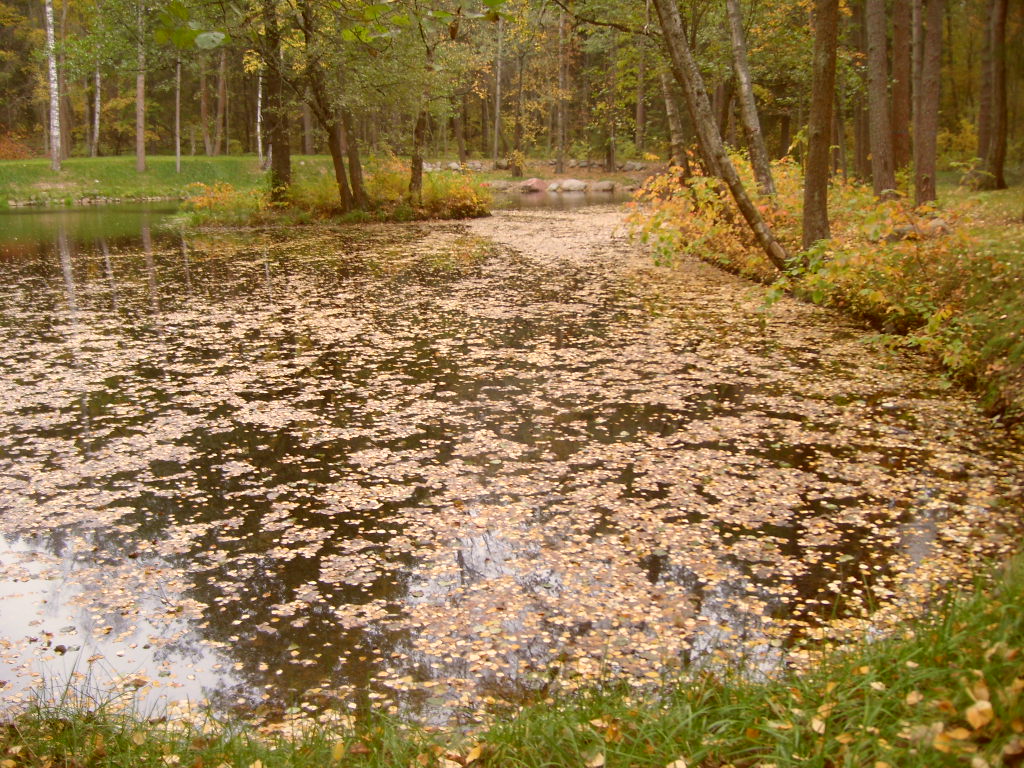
{"x": 435, "y": 466}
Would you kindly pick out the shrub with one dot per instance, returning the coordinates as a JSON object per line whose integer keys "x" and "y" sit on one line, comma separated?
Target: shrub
{"x": 13, "y": 147}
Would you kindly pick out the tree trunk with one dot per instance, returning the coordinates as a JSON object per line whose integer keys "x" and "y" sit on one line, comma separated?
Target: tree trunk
{"x": 416, "y": 175}
{"x": 901, "y": 109}
{"x": 54, "y": 87}
{"x": 926, "y": 129}
{"x": 819, "y": 128}
{"x": 748, "y": 109}
{"x": 459, "y": 120}
{"x": 259, "y": 118}
{"x": 497, "y": 96}
{"x": 883, "y": 177}
{"x": 277, "y": 114}
{"x": 785, "y": 134}
{"x": 560, "y": 116}
{"x": 355, "y": 166}
{"x": 640, "y": 116}
{"x": 839, "y": 133}
{"x": 516, "y": 166}
{"x": 204, "y": 108}
{"x": 677, "y": 137}
{"x": 222, "y": 103}
{"x": 688, "y": 76}
{"x": 307, "y": 129}
{"x": 994, "y": 86}
{"x": 140, "y": 97}
{"x": 177, "y": 115}
{"x": 337, "y": 150}
{"x": 94, "y": 148}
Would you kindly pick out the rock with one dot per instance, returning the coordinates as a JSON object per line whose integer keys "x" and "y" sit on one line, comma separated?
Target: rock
{"x": 454, "y": 167}
{"x": 531, "y": 185}
{"x": 573, "y": 185}
{"x": 500, "y": 185}
{"x": 603, "y": 186}
{"x": 501, "y": 164}
{"x": 555, "y": 186}
{"x": 573, "y": 163}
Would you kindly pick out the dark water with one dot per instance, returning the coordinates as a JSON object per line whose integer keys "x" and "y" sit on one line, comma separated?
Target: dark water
{"x": 408, "y": 465}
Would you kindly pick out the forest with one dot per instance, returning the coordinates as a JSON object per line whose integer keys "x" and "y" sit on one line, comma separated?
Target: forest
{"x": 838, "y": 87}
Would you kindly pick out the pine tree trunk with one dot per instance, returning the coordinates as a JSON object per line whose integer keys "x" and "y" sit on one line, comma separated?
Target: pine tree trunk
{"x": 901, "y": 109}
{"x": 995, "y": 148}
{"x": 748, "y": 108}
{"x": 926, "y": 129}
{"x": 883, "y": 176}
{"x": 307, "y": 130}
{"x": 688, "y": 76}
{"x": 54, "y": 86}
{"x": 819, "y": 128}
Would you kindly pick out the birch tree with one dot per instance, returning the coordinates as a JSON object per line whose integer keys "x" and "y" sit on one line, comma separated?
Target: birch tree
{"x": 54, "y": 89}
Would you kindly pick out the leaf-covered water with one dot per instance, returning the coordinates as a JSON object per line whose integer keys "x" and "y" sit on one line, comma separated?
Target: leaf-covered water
{"x": 438, "y": 465}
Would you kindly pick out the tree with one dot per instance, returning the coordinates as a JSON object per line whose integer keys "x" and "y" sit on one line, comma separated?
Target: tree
{"x": 686, "y": 73}
{"x": 748, "y": 109}
{"x": 883, "y": 175}
{"x": 992, "y": 115}
{"x": 901, "y": 81}
{"x": 819, "y": 129}
{"x": 54, "y": 90}
{"x": 140, "y": 91}
{"x": 926, "y": 125}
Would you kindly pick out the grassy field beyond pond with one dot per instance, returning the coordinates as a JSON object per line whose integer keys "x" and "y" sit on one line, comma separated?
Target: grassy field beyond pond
{"x": 947, "y": 691}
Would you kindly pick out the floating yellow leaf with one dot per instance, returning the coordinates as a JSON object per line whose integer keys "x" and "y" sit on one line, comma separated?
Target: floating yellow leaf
{"x": 979, "y": 714}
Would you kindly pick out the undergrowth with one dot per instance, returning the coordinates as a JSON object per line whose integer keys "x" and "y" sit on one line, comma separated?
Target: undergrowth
{"x": 948, "y": 281}
{"x": 314, "y": 197}
{"x": 946, "y": 691}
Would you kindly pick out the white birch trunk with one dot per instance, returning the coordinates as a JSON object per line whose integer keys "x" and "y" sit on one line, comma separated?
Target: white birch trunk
{"x": 177, "y": 115}
{"x": 97, "y": 103}
{"x": 140, "y": 101}
{"x": 497, "y": 96}
{"x": 51, "y": 66}
{"x": 259, "y": 118}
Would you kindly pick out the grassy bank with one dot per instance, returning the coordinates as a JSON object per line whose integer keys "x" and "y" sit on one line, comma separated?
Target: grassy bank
{"x": 947, "y": 280}
{"x": 946, "y": 692}
{"x": 116, "y": 178}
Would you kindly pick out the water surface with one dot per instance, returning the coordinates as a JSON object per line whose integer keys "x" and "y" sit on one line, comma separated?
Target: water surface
{"x": 436, "y": 465}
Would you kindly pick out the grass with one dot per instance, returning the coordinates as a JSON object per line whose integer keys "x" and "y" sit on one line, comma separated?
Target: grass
{"x": 947, "y": 691}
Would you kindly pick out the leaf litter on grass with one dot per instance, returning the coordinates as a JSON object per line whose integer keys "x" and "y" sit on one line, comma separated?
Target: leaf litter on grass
{"x": 441, "y": 467}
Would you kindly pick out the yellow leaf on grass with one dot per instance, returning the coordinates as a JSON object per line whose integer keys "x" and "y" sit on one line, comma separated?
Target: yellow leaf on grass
{"x": 959, "y": 734}
{"x": 475, "y": 754}
{"x": 979, "y": 691}
{"x": 138, "y": 738}
{"x": 338, "y": 751}
{"x": 817, "y": 725}
{"x": 844, "y": 738}
{"x": 979, "y": 714}
{"x": 596, "y": 760}
{"x": 914, "y": 698}
{"x": 678, "y": 763}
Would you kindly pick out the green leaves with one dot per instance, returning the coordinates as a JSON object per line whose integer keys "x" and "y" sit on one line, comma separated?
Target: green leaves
{"x": 175, "y": 26}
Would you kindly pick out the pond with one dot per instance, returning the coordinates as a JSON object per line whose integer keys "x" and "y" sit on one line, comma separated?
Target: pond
{"x": 432, "y": 467}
